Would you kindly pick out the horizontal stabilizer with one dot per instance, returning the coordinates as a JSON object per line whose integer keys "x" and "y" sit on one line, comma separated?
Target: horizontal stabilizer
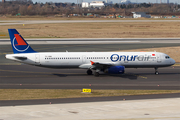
{"x": 21, "y": 57}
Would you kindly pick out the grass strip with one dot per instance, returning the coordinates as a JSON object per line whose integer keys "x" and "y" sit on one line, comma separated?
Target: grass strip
{"x": 98, "y": 30}
{"x": 27, "y": 94}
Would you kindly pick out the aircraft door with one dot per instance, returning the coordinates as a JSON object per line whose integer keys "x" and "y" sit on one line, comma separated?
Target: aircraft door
{"x": 37, "y": 59}
{"x": 158, "y": 58}
{"x": 84, "y": 59}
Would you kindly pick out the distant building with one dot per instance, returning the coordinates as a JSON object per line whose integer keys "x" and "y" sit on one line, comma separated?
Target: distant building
{"x": 97, "y": 4}
{"x": 85, "y": 5}
{"x": 140, "y": 14}
{"x": 3, "y": 1}
{"x": 167, "y": 1}
{"x": 125, "y": 1}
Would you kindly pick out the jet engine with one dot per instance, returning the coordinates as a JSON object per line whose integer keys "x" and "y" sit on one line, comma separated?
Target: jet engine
{"x": 115, "y": 70}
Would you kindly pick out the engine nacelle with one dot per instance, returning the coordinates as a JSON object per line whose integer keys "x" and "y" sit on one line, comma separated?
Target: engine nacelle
{"x": 116, "y": 70}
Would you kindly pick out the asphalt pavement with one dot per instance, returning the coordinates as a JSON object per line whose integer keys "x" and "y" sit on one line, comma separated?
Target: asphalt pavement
{"x": 32, "y": 77}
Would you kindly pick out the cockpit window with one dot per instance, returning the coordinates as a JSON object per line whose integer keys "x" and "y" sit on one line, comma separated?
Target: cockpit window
{"x": 167, "y": 57}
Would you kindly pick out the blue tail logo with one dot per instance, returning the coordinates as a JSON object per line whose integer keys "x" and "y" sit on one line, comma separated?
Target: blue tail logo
{"x": 18, "y": 43}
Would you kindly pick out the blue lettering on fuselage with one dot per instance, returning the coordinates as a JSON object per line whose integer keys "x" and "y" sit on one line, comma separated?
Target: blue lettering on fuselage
{"x": 129, "y": 58}
{"x": 121, "y": 57}
{"x": 116, "y": 57}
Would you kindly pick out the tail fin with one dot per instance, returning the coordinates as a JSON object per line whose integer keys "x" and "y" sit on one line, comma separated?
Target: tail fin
{"x": 19, "y": 45}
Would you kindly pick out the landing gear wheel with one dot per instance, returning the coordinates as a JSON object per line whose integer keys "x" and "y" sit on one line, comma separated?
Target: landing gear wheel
{"x": 89, "y": 72}
{"x": 96, "y": 74}
{"x": 156, "y": 72}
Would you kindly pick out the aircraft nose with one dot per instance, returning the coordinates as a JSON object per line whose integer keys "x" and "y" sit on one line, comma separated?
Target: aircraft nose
{"x": 173, "y": 61}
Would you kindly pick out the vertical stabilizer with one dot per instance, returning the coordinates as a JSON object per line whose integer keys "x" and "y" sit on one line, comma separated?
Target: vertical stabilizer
{"x": 19, "y": 45}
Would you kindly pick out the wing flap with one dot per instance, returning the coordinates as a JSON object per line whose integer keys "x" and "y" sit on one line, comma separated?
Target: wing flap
{"x": 100, "y": 65}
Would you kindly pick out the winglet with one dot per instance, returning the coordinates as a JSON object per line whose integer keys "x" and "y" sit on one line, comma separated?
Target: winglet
{"x": 18, "y": 43}
{"x": 92, "y": 62}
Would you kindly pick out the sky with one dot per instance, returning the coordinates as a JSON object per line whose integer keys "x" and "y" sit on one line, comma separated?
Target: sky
{"x": 114, "y": 1}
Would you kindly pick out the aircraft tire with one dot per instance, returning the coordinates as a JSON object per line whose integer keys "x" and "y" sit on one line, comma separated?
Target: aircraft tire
{"x": 96, "y": 74}
{"x": 156, "y": 73}
{"x": 89, "y": 72}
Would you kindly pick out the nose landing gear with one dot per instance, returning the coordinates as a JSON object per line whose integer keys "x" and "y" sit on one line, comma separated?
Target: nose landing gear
{"x": 156, "y": 71}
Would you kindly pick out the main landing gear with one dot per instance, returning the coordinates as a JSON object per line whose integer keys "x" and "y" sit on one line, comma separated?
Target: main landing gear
{"x": 96, "y": 72}
{"x": 89, "y": 72}
{"x": 156, "y": 71}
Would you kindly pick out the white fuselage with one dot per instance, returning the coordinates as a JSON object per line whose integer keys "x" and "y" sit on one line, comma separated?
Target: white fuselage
{"x": 82, "y": 59}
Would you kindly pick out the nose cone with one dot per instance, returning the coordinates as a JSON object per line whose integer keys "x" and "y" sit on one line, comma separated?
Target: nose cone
{"x": 173, "y": 61}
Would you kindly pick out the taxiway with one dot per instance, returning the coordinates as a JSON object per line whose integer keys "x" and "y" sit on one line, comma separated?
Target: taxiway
{"x": 31, "y": 77}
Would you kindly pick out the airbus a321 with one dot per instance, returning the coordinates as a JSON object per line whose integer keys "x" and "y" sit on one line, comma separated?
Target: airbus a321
{"x": 94, "y": 62}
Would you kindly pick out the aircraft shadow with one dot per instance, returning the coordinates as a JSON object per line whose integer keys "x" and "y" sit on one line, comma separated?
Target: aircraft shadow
{"x": 66, "y": 75}
{"x": 130, "y": 76}
{"x": 60, "y": 75}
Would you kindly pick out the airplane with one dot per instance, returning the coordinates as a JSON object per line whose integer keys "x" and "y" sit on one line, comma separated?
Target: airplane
{"x": 94, "y": 62}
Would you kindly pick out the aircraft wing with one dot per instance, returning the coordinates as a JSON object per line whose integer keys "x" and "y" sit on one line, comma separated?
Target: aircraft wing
{"x": 96, "y": 65}
{"x": 100, "y": 65}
